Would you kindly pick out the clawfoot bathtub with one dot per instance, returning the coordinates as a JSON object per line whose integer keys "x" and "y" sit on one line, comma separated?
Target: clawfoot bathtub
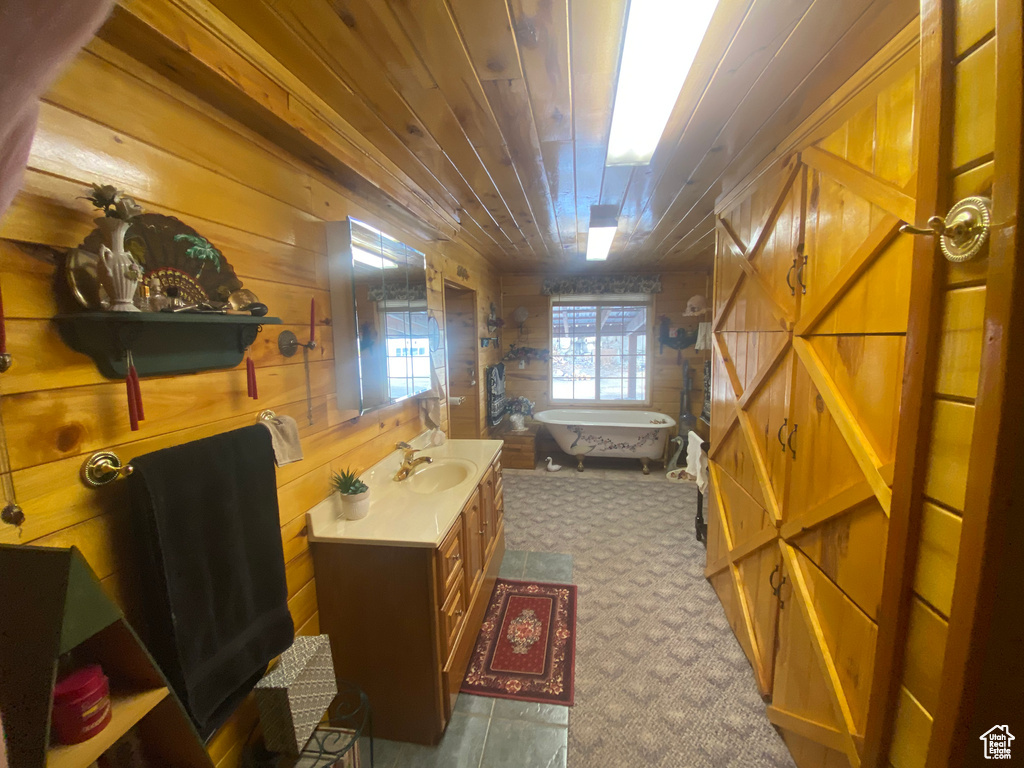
{"x": 613, "y": 433}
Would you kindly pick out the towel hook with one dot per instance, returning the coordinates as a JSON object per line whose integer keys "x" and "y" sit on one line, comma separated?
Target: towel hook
{"x": 104, "y": 467}
{"x": 265, "y": 416}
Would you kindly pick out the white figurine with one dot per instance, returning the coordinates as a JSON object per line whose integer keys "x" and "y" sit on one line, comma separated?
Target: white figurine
{"x": 552, "y": 467}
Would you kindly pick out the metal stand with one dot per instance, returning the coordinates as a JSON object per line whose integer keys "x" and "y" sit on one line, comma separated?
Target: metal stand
{"x": 288, "y": 344}
{"x": 699, "y": 525}
{"x": 336, "y": 743}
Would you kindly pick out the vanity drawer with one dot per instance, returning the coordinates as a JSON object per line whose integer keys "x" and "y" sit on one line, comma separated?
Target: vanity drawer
{"x": 451, "y": 554}
{"x": 453, "y": 614}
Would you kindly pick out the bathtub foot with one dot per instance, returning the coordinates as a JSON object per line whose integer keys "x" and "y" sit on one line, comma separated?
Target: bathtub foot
{"x": 579, "y": 462}
{"x": 647, "y": 468}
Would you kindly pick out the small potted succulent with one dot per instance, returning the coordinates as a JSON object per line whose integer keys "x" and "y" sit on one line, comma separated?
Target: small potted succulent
{"x": 519, "y": 408}
{"x": 353, "y": 493}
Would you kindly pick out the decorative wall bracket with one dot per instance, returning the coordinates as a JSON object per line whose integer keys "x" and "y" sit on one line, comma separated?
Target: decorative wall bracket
{"x": 288, "y": 344}
{"x": 161, "y": 343}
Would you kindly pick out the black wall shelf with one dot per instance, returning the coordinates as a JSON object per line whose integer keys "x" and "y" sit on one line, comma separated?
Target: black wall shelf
{"x": 162, "y": 343}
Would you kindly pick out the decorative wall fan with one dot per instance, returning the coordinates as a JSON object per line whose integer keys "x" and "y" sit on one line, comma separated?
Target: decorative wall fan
{"x": 167, "y": 249}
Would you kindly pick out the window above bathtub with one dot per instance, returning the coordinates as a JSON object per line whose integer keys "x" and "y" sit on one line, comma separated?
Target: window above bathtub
{"x": 600, "y": 348}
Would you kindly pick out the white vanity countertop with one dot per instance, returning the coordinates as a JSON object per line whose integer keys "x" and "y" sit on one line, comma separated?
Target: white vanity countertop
{"x": 399, "y": 516}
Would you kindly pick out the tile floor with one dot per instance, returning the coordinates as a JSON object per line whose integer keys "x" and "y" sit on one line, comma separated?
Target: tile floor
{"x": 496, "y": 733}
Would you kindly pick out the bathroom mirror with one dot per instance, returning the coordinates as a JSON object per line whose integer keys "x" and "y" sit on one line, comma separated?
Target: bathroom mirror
{"x": 380, "y": 284}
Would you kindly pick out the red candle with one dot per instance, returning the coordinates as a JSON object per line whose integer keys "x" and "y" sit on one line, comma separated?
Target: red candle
{"x": 133, "y": 414}
{"x": 312, "y": 320}
{"x": 3, "y": 327}
{"x": 139, "y": 411}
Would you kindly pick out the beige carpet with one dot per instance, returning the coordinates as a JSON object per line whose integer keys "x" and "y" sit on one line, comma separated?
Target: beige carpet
{"x": 660, "y": 679}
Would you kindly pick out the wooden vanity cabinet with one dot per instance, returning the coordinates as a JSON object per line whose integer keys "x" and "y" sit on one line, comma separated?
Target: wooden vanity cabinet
{"x": 403, "y": 620}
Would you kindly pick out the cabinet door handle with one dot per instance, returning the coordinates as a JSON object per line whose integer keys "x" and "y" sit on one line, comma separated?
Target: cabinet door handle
{"x": 789, "y": 440}
{"x": 779, "y": 435}
{"x": 459, "y": 612}
{"x": 777, "y": 590}
{"x": 800, "y": 276}
{"x": 789, "y": 272}
{"x": 456, "y": 557}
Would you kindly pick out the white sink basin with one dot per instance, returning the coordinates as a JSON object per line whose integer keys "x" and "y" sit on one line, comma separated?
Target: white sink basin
{"x": 440, "y": 476}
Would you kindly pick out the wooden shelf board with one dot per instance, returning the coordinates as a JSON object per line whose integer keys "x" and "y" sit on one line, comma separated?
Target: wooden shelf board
{"x": 128, "y": 709}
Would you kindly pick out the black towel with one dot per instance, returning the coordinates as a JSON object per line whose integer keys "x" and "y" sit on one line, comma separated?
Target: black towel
{"x": 206, "y": 525}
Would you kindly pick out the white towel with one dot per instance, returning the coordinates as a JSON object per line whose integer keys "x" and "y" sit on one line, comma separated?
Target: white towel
{"x": 697, "y": 461}
{"x": 703, "y": 336}
{"x": 284, "y": 435}
{"x": 430, "y": 402}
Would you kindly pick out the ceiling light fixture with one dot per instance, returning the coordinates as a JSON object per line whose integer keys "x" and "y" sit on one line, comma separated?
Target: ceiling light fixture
{"x": 662, "y": 38}
{"x": 604, "y": 223}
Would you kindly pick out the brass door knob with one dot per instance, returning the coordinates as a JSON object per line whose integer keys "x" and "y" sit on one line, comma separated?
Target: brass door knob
{"x": 963, "y": 232}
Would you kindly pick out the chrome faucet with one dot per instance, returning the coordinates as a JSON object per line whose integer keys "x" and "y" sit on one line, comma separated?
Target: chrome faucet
{"x": 408, "y": 462}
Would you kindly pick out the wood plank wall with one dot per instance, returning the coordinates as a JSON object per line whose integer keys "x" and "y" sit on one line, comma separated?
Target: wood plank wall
{"x": 110, "y": 119}
{"x": 534, "y": 380}
{"x": 955, "y": 390}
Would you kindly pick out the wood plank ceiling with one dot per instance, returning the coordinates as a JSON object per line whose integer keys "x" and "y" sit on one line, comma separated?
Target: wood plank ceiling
{"x": 497, "y": 111}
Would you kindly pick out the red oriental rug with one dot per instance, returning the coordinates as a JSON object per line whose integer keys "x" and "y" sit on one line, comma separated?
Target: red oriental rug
{"x": 526, "y": 649}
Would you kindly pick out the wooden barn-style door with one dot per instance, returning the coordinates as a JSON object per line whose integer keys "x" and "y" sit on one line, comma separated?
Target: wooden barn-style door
{"x": 751, "y": 407}
{"x": 811, "y": 305}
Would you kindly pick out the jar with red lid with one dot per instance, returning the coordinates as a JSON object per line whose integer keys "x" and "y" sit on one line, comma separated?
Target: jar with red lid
{"x": 81, "y": 705}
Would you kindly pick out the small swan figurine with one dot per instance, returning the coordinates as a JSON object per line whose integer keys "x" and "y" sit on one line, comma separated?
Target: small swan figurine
{"x": 552, "y": 467}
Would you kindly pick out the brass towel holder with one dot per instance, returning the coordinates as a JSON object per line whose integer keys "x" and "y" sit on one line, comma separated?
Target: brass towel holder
{"x": 104, "y": 467}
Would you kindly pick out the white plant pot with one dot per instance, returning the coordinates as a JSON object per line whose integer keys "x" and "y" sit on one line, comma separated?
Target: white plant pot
{"x": 518, "y": 421}
{"x": 355, "y": 506}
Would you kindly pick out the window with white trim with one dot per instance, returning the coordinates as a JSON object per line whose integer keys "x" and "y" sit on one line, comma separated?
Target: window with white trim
{"x": 408, "y": 354}
{"x": 599, "y": 349}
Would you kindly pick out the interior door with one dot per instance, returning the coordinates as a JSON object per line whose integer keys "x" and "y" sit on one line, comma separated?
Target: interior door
{"x": 949, "y": 665}
{"x": 463, "y": 362}
{"x": 849, "y": 343}
{"x": 757, "y": 302}
{"x": 743, "y": 565}
{"x": 759, "y": 240}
